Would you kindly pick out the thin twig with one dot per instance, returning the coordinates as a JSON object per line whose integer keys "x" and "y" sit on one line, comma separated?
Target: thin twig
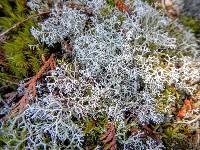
{"x": 21, "y": 22}
{"x": 189, "y": 122}
{"x": 69, "y": 4}
{"x": 22, "y": 104}
{"x": 109, "y": 138}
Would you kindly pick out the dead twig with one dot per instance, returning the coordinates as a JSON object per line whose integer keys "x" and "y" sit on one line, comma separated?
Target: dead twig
{"x": 68, "y": 4}
{"x": 22, "y": 104}
{"x": 189, "y": 122}
{"x": 109, "y": 137}
{"x": 80, "y": 7}
{"x": 21, "y": 22}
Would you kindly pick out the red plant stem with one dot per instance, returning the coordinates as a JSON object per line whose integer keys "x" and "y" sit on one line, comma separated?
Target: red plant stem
{"x": 109, "y": 137}
{"x": 22, "y": 104}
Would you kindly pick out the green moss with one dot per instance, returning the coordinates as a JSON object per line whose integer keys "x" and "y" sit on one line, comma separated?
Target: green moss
{"x": 89, "y": 91}
{"x": 163, "y": 101}
{"x": 22, "y": 61}
{"x": 105, "y": 11}
{"x": 94, "y": 128}
{"x": 13, "y": 136}
{"x": 153, "y": 46}
{"x": 177, "y": 136}
{"x": 13, "y": 14}
{"x": 191, "y": 23}
{"x": 111, "y": 3}
{"x": 150, "y": 2}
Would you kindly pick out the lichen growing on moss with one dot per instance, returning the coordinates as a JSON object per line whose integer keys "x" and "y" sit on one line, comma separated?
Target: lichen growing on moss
{"x": 126, "y": 65}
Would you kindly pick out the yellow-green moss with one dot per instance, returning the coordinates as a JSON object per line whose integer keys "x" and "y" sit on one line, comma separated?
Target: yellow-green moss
{"x": 177, "y": 136}
{"x": 191, "y": 23}
{"x": 22, "y": 60}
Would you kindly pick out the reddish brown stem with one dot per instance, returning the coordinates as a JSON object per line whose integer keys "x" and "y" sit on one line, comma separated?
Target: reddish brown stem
{"x": 22, "y": 104}
{"x": 109, "y": 137}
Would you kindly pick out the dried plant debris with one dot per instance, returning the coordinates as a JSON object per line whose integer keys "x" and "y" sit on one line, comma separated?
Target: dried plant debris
{"x": 109, "y": 137}
{"x": 31, "y": 86}
{"x": 130, "y": 65}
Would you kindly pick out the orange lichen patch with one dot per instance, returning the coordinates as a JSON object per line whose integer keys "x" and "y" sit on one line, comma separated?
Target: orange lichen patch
{"x": 188, "y": 105}
{"x": 31, "y": 86}
{"x": 109, "y": 138}
{"x": 121, "y": 6}
{"x": 182, "y": 112}
{"x": 185, "y": 108}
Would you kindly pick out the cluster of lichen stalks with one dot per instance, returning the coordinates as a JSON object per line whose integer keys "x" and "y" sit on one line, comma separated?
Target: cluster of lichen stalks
{"x": 120, "y": 83}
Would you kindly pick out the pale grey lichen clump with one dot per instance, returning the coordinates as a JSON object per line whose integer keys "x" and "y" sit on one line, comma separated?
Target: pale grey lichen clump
{"x": 61, "y": 23}
{"x": 48, "y": 117}
{"x": 133, "y": 143}
{"x": 117, "y": 67}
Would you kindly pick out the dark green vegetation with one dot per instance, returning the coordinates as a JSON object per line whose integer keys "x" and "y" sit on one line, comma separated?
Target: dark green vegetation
{"x": 191, "y": 23}
{"x": 22, "y": 53}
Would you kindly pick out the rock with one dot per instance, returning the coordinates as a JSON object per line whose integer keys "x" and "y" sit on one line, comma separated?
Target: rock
{"x": 192, "y": 8}
{"x": 189, "y": 8}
